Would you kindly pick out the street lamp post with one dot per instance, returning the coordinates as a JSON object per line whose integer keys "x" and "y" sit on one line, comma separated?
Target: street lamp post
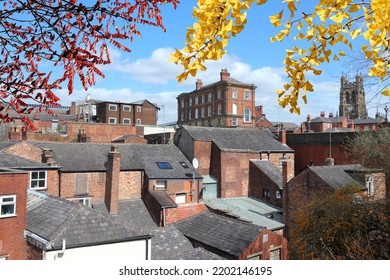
{"x": 386, "y": 110}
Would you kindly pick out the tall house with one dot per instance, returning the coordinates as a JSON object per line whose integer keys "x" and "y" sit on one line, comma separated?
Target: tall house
{"x": 352, "y": 98}
{"x": 141, "y": 112}
{"x": 226, "y": 103}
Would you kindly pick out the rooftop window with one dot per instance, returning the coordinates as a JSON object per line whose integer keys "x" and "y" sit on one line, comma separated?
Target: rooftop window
{"x": 164, "y": 165}
{"x": 183, "y": 164}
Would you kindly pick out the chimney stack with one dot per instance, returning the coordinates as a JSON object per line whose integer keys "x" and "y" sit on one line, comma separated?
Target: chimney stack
{"x": 112, "y": 180}
{"x": 322, "y": 115}
{"x": 48, "y": 157}
{"x": 199, "y": 84}
{"x": 282, "y": 136}
{"x": 329, "y": 161}
{"x": 225, "y": 75}
{"x": 331, "y": 115}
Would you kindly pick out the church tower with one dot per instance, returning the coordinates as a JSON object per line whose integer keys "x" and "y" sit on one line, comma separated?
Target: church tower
{"x": 352, "y": 98}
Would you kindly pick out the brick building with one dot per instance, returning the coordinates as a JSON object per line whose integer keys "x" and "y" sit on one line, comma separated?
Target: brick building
{"x": 226, "y": 103}
{"x": 91, "y": 174}
{"x": 317, "y": 182}
{"x": 13, "y": 203}
{"x": 219, "y": 234}
{"x": 140, "y": 112}
{"x": 225, "y": 155}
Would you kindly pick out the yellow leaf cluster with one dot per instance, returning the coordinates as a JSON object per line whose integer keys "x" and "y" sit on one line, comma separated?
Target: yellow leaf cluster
{"x": 329, "y": 30}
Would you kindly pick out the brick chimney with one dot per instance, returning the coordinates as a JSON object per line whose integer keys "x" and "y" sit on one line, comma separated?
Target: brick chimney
{"x": 112, "y": 180}
{"x": 225, "y": 75}
{"x": 82, "y": 136}
{"x": 15, "y": 134}
{"x": 331, "y": 115}
{"x": 72, "y": 110}
{"x": 329, "y": 161}
{"x": 259, "y": 110}
{"x": 282, "y": 136}
{"x": 48, "y": 157}
{"x": 322, "y": 115}
{"x": 199, "y": 84}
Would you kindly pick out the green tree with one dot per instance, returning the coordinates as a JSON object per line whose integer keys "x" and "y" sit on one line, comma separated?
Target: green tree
{"x": 340, "y": 227}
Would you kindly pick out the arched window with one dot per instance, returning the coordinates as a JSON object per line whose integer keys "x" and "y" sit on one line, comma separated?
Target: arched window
{"x": 247, "y": 114}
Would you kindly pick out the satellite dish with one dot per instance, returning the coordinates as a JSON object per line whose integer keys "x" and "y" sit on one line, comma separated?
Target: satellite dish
{"x": 195, "y": 163}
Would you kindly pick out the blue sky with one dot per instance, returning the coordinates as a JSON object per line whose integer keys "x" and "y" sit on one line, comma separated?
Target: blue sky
{"x": 146, "y": 73}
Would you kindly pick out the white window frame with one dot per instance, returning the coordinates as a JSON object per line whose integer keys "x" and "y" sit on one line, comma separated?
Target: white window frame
{"x": 110, "y": 119}
{"x": 370, "y": 185}
{"x": 5, "y": 203}
{"x": 278, "y": 195}
{"x": 234, "y": 109}
{"x": 209, "y": 111}
{"x": 247, "y": 115}
{"x": 202, "y": 111}
{"x": 203, "y": 98}
{"x": 219, "y": 94}
{"x": 160, "y": 185}
{"x": 139, "y": 109}
{"x": 190, "y": 101}
{"x": 113, "y": 105}
{"x": 196, "y": 100}
{"x": 247, "y": 95}
{"x": 126, "y": 119}
{"x": 234, "y": 121}
{"x": 126, "y": 106}
{"x": 196, "y": 113}
{"x": 38, "y": 179}
{"x": 138, "y": 121}
{"x": 86, "y": 201}
{"x": 210, "y": 97}
{"x": 219, "y": 109}
{"x": 234, "y": 93}
{"x": 179, "y": 198}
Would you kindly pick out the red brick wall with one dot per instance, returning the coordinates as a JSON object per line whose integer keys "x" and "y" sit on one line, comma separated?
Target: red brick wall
{"x": 202, "y": 151}
{"x": 257, "y": 181}
{"x": 34, "y": 253}
{"x": 12, "y": 242}
{"x": 130, "y": 184}
{"x": 302, "y": 189}
{"x": 181, "y": 186}
{"x": 272, "y": 242}
{"x": 99, "y": 132}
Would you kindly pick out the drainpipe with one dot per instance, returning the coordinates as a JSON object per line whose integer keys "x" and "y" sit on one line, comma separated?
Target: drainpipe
{"x": 163, "y": 217}
{"x": 59, "y": 181}
{"x": 62, "y": 252}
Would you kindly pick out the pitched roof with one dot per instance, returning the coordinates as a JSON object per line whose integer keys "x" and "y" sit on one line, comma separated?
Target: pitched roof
{"x": 367, "y": 121}
{"x": 222, "y": 233}
{"x": 336, "y": 175}
{"x": 168, "y": 243}
{"x": 12, "y": 161}
{"x": 320, "y": 120}
{"x": 81, "y": 157}
{"x": 269, "y": 170}
{"x": 238, "y": 139}
{"x": 55, "y": 219}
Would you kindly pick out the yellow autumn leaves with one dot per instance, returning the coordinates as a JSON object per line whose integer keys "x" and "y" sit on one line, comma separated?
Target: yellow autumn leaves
{"x": 326, "y": 31}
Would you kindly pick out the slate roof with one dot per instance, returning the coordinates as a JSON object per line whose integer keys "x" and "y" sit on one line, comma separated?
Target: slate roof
{"x": 336, "y": 175}
{"x": 168, "y": 243}
{"x": 367, "y": 121}
{"x": 320, "y": 120}
{"x": 7, "y": 144}
{"x": 269, "y": 170}
{"x": 84, "y": 157}
{"x": 12, "y": 161}
{"x": 55, "y": 219}
{"x": 222, "y": 233}
{"x": 163, "y": 199}
{"x": 288, "y": 126}
{"x": 238, "y": 139}
{"x": 249, "y": 210}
